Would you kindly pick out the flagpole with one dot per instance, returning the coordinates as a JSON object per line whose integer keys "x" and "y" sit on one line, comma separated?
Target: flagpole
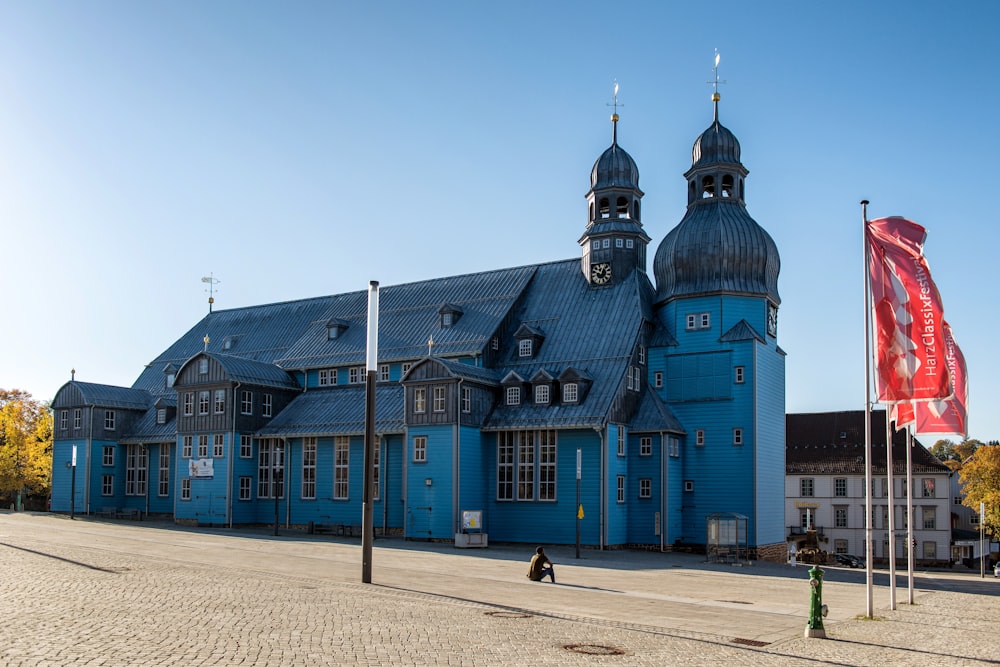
{"x": 910, "y": 542}
{"x": 869, "y": 610}
{"x": 890, "y": 492}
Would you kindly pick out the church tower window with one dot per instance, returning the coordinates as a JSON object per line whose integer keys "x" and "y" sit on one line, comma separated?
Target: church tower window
{"x": 621, "y": 207}
{"x": 727, "y": 185}
{"x": 707, "y": 187}
{"x": 604, "y": 207}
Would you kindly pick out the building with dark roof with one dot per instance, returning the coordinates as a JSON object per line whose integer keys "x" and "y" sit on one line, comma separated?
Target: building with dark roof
{"x": 495, "y": 391}
{"x": 825, "y": 487}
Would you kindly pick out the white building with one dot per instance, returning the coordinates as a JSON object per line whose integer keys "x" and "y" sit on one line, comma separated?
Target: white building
{"x": 825, "y": 488}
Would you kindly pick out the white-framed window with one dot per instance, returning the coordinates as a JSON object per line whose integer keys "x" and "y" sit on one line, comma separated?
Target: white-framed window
{"x": 466, "y": 400}
{"x": 840, "y": 517}
{"x": 621, "y": 489}
{"x": 163, "y": 477}
{"x": 696, "y": 321}
{"x": 645, "y": 488}
{"x": 930, "y": 550}
{"x": 203, "y": 446}
{"x": 77, "y": 418}
{"x": 204, "y": 400}
{"x": 341, "y": 467}
{"x": 646, "y": 446}
{"x": 927, "y": 488}
{"x": 524, "y": 347}
{"x": 135, "y": 470}
{"x": 930, "y": 518}
{"x": 383, "y": 373}
{"x": 807, "y": 487}
{"x": 674, "y": 446}
{"x": 605, "y": 243}
{"x": 406, "y": 368}
{"x": 628, "y": 243}
{"x": 188, "y": 403}
{"x": 420, "y": 400}
{"x": 246, "y": 402}
{"x": 202, "y": 366}
{"x": 642, "y": 355}
{"x": 161, "y": 415}
{"x": 495, "y": 343}
{"x": 541, "y": 394}
{"x": 658, "y": 379}
{"x": 107, "y": 485}
{"x": 634, "y": 378}
{"x": 220, "y": 401}
{"x": 738, "y": 375}
{"x": 270, "y": 469}
{"x": 309, "y": 468}
{"x": 438, "y": 399}
{"x": 109, "y": 420}
{"x": 840, "y": 487}
{"x": 108, "y": 455}
{"x": 570, "y": 392}
{"x": 327, "y": 377}
{"x": 840, "y": 546}
{"x": 699, "y": 437}
{"x": 246, "y": 446}
{"x": 513, "y": 396}
{"x": 267, "y": 405}
{"x": 689, "y": 486}
{"x": 526, "y": 465}
{"x": 619, "y": 243}
{"x": 186, "y": 488}
{"x": 186, "y": 442}
{"x": 64, "y": 419}
{"x": 737, "y": 437}
{"x": 357, "y": 375}
{"x": 420, "y": 449}
{"x": 218, "y": 445}
{"x": 596, "y": 244}
{"x": 246, "y": 484}
{"x": 621, "y": 440}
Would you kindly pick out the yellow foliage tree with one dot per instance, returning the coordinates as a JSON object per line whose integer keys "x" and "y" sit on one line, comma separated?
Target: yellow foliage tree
{"x": 25, "y": 447}
{"x": 980, "y": 478}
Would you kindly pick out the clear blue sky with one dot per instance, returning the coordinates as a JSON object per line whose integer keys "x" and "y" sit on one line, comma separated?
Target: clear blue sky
{"x": 302, "y": 149}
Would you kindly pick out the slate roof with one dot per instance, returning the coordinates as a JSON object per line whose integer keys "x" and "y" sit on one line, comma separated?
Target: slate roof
{"x": 340, "y": 411}
{"x": 146, "y": 431}
{"x": 593, "y": 330}
{"x": 654, "y": 415}
{"x": 833, "y": 443}
{"x": 105, "y": 396}
{"x": 248, "y": 371}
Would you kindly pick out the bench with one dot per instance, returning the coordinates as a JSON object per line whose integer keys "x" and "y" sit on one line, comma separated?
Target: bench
{"x": 107, "y": 512}
{"x": 128, "y": 513}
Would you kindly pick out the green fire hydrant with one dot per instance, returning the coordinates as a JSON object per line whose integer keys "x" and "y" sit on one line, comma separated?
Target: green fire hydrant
{"x": 817, "y": 610}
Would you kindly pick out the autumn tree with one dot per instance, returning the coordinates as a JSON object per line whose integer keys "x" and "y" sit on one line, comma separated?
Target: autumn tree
{"x": 25, "y": 447}
{"x": 980, "y": 478}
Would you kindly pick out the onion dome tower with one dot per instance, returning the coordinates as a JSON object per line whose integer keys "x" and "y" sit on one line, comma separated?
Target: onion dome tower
{"x": 717, "y": 248}
{"x": 614, "y": 242}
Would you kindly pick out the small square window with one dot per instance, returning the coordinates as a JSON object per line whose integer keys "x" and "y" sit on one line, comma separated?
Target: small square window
{"x": 645, "y": 446}
{"x": 658, "y": 379}
{"x": 738, "y": 437}
{"x": 383, "y": 373}
{"x": 619, "y": 243}
{"x": 645, "y": 488}
{"x": 738, "y": 375}
{"x": 699, "y": 438}
{"x": 606, "y": 243}
{"x": 628, "y": 243}
{"x": 688, "y": 485}
{"x": 420, "y": 449}
{"x": 596, "y": 245}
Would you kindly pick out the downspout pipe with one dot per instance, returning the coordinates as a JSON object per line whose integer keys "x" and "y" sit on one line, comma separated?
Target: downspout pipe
{"x": 601, "y": 432}
{"x": 232, "y": 454}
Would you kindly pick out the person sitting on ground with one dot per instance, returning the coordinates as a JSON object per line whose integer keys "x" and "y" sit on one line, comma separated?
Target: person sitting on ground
{"x": 538, "y": 568}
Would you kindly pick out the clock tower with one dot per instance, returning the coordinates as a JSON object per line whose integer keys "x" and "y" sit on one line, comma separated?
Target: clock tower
{"x": 614, "y": 242}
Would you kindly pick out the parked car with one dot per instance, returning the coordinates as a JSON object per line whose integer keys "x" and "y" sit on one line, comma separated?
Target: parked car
{"x": 849, "y": 560}
{"x": 996, "y": 569}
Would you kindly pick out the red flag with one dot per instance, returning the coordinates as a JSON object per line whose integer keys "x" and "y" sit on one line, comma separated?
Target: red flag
{"x": 949, "y": 415}
{"x": 909, "y": 341}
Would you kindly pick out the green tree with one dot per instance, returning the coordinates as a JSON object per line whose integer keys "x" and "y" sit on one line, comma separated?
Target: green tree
{"x": 980, "y": 478}
{"x": 944, "y": 450}
{"x": 25, "y": 447}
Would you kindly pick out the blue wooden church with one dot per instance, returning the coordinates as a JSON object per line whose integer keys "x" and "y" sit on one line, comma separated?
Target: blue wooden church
{"x": 491, "y": 387}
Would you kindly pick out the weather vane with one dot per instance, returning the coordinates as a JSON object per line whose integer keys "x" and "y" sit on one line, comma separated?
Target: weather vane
{"x": 614, "y": 101}
{"x": 715, "y": 78}
{"x": 212, "y": 281}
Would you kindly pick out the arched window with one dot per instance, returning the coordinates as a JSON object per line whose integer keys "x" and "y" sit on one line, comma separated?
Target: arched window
{"x": 727, "y": 185}
{"x": 707, "y": 187}
{"x": 621, "y": 207}
{"x": 604, "y": 207}
{"x": 635, "y": 209}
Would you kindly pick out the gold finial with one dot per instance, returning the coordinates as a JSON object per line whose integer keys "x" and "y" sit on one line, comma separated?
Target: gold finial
{"x": 72, "y": 374}
{"x": 430, "y": 345}
{"x": 715, "y": 84}
{"x": 207, "y": 341}
{"x": 614, "y": 116}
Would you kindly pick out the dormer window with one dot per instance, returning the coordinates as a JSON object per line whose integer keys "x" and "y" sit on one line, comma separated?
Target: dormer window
{"x": 228, "y": 342}
{"x": 542, "y": 394}
{"x": 170, "y": 374}
{"x": 524, "y": 347}
{"x": 513, "y": 396}
{"x": 570, "y": 391}
{"x": 449, "y": 314}
{"x": 335, "y": 328}
{"x": 161, "y": 416}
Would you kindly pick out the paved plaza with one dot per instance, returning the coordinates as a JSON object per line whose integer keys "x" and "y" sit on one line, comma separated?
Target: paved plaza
{"x": 89, "y": 592}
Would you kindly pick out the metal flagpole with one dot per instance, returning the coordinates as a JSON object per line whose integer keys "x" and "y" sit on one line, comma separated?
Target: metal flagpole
{"x": 869, "y": 609}
{"x": 890, "y": 492}
{"x": 910, "y": 541}
{"x": 367, "y": 509}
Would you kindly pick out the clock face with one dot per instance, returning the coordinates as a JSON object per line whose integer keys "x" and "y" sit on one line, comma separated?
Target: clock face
{"x": 600, "y": 273}
{"x": 772, "y": 320}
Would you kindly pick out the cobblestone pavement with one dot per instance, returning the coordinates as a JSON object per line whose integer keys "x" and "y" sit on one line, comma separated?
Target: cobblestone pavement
{"x": 89, "y": 592}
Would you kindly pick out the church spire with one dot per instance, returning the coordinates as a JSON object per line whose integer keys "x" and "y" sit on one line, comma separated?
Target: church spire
{"x": 715, "y": 86}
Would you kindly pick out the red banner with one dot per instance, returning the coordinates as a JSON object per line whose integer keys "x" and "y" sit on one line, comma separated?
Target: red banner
{"x": 909, "y": 336}
{"x": 950, "y": 415}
